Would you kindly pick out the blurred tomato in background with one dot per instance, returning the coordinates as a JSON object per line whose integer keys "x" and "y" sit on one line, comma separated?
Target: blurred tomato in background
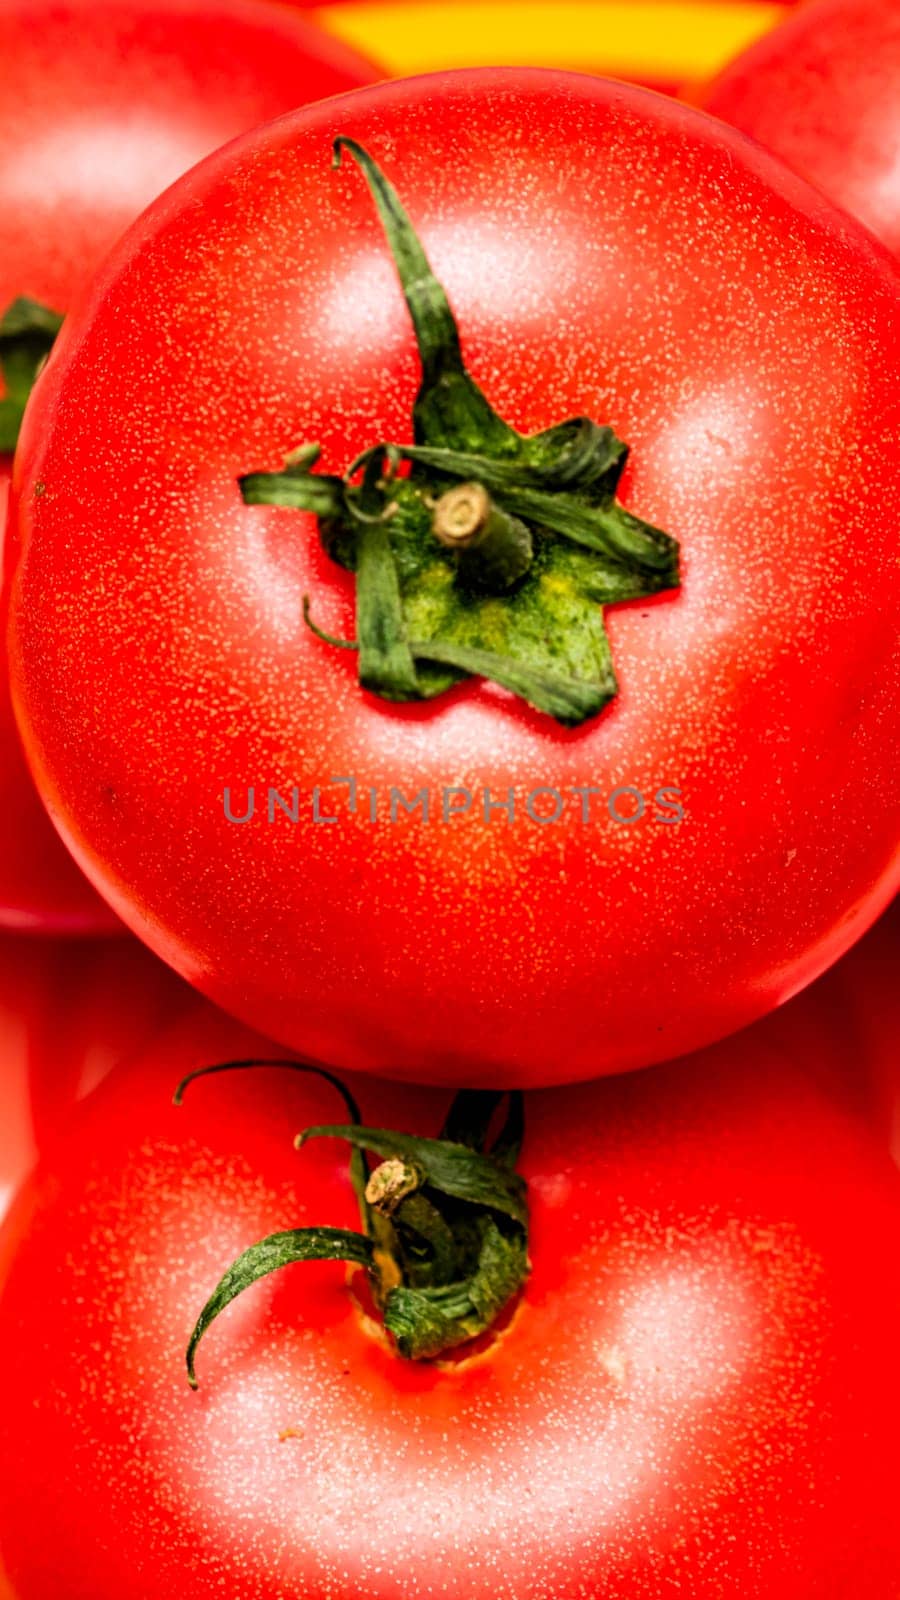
{"x": 822, "y": 91}
{"x": 68, "y": 1013}
{"x": 113, "y": 100}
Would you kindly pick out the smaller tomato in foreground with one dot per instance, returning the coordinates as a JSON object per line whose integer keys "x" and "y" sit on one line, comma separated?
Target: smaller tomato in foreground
{"x": 695, "y": 1391}
{"x": 822, "y": 91}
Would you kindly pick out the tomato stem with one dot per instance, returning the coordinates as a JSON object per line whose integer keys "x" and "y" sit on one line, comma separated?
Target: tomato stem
{"x": 491, "y": 553}
{"x": 444, "y": 1236}
{"x": 497, "y": 549}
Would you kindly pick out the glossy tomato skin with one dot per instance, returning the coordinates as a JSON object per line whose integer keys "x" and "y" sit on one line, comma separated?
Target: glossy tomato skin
{"x": 608, "y": 252}
{"x": 823, "y": 91}
{"x": 113, "y": 100}
{"x": 697, "y": 1392}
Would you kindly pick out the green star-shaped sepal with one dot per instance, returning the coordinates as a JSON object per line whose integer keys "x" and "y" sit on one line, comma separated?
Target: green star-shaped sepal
{"x": 477, "y": 550}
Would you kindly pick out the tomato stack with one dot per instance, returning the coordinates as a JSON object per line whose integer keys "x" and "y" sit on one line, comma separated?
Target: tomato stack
{"x": 451, "y": 596}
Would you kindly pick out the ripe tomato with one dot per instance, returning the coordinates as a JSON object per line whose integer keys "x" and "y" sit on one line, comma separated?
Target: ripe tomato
{"x": 68, "y": 1014}
{"x": 696, "y": 1391}
{"x": 113, "y": 100}
{"x": 670, "y": 868}
{"x": 823, "y": 91}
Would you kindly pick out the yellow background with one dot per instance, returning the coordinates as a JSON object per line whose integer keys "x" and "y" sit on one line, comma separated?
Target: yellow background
{"x": 665, "y": 41}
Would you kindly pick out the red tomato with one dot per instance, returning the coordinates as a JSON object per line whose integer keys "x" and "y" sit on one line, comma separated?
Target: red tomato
{"x": 68, "y": 1013}
{"x": 113, "y": 100}
{"x": 823, "y": 91}
{"x": 696, "y": 1392}
{"x": 606, "y": 252}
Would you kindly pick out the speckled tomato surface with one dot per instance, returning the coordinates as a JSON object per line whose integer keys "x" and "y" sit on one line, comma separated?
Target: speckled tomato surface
{"x": 696, "y": 1392}
{"x": 823, "y": 91}
{"x": 677, "y": 865}
{"x": 107, "y": 102}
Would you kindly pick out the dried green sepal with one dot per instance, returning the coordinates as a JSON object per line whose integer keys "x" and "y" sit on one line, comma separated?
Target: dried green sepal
{"x": 444, "y": 1236}
{"x": 506, "y": 582}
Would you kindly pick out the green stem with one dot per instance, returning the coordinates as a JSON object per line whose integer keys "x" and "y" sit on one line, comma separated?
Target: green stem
{"x": 449, "y": 407}
{"x": 495, "y": 550}
{"x": 429, "y": 308}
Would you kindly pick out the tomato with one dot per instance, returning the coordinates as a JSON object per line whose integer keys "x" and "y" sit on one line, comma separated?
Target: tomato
{"x": 68, "y": 1014}
{"x": 822, "y": 91}
{"x": 670, "y": 867}
{"x": 696, "y": 1390}
{"x": 113, "y": 99}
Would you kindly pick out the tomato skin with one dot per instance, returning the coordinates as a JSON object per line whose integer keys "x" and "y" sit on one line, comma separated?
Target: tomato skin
{"x": 112, "y": 102}
{"x": 248, "y": 312}
{"x": 698, "y": 1387}
{"x": 822, "y": 91}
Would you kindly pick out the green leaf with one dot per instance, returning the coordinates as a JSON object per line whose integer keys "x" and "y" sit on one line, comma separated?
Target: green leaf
{"x": 451, "y": 1169}
{"x": 270, "y": 1255}
{"x": 385, "y": 663}
{"x": 577, "y": 454}
{"x": 508, "y": 1144}
{"x": 427, "y": 1322}
{"x": 427, "y": 1244}
{"x": 26, "y": 318}
{"x": 571, "y": 702}
{"x": 591, "y": 519}
{"x": 469, "y": 1118}
{"x": 300, "y": 491}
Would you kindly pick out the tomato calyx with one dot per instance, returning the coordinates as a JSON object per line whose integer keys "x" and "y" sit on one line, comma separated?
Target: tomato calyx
{"x": 444, "y": 1237}
{"x": 478, "y": 551}
{"x": 28, "y": 332}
